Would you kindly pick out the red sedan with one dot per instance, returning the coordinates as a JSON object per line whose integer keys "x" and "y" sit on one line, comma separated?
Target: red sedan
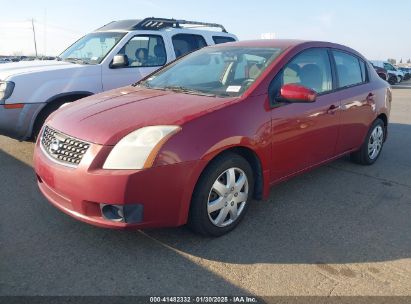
{"x": 197, "y": 140}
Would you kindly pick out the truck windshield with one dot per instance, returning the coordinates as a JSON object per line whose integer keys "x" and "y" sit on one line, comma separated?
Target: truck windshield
{"x": 92, "y": 48}
{"x": 215, "y": 71}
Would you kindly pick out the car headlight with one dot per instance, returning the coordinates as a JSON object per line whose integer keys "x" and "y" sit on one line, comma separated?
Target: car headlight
{"x": 138, "y": 149}
{"x": 6, "y": 89}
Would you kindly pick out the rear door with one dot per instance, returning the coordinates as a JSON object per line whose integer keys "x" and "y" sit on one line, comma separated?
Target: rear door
{"x": 357, "y": 99}
{"x": 145, "y": 52}
{"x": 304, "y": 134}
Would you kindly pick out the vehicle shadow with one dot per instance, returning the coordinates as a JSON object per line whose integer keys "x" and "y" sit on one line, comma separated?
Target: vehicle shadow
{"x": 44, "y": 252}
{"x": 338, "y": 213}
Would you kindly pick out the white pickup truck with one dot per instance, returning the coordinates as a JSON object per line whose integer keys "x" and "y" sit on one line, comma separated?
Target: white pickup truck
{"x": 115, "y": 55}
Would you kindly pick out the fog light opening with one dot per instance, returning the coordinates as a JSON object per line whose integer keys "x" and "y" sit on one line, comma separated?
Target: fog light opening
{"x": 113, "y": 213}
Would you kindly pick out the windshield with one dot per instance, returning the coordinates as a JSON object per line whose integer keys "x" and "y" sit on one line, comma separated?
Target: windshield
{"x": 92, "y": 48}
{"x": 216, "y": 71}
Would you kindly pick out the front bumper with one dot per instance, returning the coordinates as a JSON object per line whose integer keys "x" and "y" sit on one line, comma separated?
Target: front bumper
{"x": 18, "y": 123}
{"x": 164, "y": 191}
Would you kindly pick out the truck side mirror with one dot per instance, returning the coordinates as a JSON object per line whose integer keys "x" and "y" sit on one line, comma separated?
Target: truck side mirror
{"x": 119, "y": 61}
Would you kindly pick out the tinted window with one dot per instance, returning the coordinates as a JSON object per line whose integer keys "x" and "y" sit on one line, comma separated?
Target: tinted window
{"x": 221, "y": 70}
{"x": 249, "y": 67}
{"x": 186, "y": 43}
{"x": 348, "y": 69}
{"x": 388, "y": 66}
{"x": 221, "y": 39}
{"x": 310, "y": 68}
{"x": 92, "y": 48}
{"x": 145, "y": 51}
{"x": 363, "y": 71}
{"x": 202, "y": 72}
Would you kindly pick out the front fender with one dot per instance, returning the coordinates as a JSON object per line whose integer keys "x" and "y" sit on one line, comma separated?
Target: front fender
{"x": 40, "y": 87}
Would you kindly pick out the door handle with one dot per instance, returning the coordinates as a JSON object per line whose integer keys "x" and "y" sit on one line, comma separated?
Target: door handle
{"x": 370, "y": 96}
{"x": 332, "y": 109}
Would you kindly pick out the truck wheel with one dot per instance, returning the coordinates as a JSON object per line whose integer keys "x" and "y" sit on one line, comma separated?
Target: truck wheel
{"x": 42, "y": 116}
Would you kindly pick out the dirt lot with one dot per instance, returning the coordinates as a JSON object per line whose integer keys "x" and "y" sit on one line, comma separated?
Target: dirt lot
{"x": 342, "y": 229}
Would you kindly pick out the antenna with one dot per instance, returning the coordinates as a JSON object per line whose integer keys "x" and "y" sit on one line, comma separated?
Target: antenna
{"x": 34, "y": 36}
{"x": 45, "y": 32}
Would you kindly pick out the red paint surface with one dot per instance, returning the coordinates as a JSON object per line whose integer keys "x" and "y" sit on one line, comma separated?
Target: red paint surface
{"x": 287, "y": 140}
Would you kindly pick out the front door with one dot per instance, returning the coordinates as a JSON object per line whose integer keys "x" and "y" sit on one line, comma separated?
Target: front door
{"x": 145, "y": 54}
{"x": 304, "y": 134}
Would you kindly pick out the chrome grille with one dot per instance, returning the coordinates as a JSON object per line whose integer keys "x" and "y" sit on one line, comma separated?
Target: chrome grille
{"x": 62, "y": 148}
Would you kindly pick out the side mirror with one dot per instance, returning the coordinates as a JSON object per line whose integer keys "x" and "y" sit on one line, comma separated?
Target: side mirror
{"x": 119, "y": 61}
{"x": 297, "y": 93}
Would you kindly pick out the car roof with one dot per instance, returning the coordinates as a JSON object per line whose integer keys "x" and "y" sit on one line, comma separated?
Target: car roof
{"x": 274, "y": 43}
{"x": 289, "y": 43}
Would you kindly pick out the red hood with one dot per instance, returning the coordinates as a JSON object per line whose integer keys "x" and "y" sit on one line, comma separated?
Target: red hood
{"x": 107, "y": 117}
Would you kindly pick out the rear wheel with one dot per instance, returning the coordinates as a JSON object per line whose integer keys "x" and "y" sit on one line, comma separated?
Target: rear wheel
{"x": 372, "y": 146}
{"x": 392, "y": 79}
{"x": 382, "y": 76}
{"x": 221, "y": 197}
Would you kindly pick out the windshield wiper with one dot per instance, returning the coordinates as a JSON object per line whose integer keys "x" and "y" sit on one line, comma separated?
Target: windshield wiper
{"x": 76, "y": 60}
{"x": 180, "y": 89}
{"x": 141, "y": 84}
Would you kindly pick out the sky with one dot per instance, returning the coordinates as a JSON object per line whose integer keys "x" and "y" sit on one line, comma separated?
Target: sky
{"x": 378, "y": 29}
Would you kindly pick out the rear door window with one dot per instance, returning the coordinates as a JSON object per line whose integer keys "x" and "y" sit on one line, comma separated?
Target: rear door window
{"x": 348, "y": 69}
{"x": 222, "y": 39}
{"x": 186, "y": 43}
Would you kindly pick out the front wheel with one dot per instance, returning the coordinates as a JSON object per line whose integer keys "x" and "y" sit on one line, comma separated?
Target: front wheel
{"x": 43, "y": 115}
{"x": 221, "y": 196}
{"x": 372, "y": 146}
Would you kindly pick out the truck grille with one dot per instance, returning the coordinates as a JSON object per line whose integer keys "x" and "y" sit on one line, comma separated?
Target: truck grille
{"x": 62, "y": 148}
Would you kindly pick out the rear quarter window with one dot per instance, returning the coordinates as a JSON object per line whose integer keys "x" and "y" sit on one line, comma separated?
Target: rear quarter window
{"x": 222, "y": 39}
{"x": 186, "y": 43}
{"x": 364, "y": 71}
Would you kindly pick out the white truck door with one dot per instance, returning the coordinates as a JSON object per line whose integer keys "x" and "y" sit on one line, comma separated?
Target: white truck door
{"x": 146, "y": 53}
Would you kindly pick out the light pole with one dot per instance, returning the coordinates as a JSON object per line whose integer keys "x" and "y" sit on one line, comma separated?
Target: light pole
{"x": 34, "y": 36}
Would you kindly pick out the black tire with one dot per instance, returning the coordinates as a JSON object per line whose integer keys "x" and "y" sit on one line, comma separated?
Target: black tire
{"x": 382, "y": 76}
{"x": 392, "y": 80}
{"x": 42, "y": 116}
{"x": 199, "y": 220}
{"x": 362, "y": 156}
